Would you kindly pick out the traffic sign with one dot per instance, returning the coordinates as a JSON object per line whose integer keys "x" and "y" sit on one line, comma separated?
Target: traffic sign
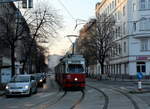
{"x": 139, "y": 75}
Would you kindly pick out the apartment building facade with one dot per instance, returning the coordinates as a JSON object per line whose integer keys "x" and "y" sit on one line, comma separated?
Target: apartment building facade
{"x": 132, "y": 33}
{"x": 10, "y": 18}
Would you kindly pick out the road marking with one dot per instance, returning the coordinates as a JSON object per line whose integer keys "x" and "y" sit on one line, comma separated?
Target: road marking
{"x": 28, "y": 104}
{"x": 46, "y": 95}
{"x": 13, "y": 107}
{"x": 90, "y": 91}
{"x": 123, "y": 88}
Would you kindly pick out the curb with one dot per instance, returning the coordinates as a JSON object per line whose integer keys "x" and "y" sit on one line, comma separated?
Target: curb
{"x": 135, "y": 91}
{"x": 139, "y": 92}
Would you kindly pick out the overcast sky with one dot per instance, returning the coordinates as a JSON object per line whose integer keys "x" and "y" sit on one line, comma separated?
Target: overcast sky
{"x": 70, "y": 10}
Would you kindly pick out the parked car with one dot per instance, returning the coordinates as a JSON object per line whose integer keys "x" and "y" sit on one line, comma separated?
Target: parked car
{"x": 40, "y": 79}
{"x": 44, "y": 77}
{"x": 21, "y": 85}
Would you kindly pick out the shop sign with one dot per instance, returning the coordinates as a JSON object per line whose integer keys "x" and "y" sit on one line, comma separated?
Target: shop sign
{"x": 141, "y": 58}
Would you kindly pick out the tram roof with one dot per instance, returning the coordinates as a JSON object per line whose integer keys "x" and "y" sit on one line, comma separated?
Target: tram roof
{"x": 72, "y": 57}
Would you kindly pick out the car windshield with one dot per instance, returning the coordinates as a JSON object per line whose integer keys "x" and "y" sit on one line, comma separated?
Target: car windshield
{"x": 39, "y": 75}
{"x": 75, "y": 68}
{"x": 20, "y": 79}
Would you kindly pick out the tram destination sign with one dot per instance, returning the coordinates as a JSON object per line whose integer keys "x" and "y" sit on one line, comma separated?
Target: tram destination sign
{"x": 74, "y": 62}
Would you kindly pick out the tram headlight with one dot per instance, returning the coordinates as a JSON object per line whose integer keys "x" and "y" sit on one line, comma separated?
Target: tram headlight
{"x": 76, "y": 79}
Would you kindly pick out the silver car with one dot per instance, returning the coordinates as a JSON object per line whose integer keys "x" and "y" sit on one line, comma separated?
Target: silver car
{"x": 21, "y": 85}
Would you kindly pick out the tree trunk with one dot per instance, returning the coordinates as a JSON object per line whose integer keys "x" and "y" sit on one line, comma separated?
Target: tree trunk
{"x": 23, "y": 67}
{"x": 30, "y": 65}
{"x": 12, "y": 60}
{"x": 102, "y": 68}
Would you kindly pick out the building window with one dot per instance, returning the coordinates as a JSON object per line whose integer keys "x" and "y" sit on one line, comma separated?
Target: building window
{"x": 119, "y": 49}
{"x": 141, "y": 67}
{"x": 109, "y": 8}
{"x": 148, "y": 4}
{"x": 124, "y": 11}
{"x": 119, "y": 31}
{"x": 142, "y": 4}
{"x": 134, "y": 7}
{"x": 125, "y": 68}
{"x": 142, "y": 24}
{"x": 134, "y": 26}
{"x": 119, "y": 15}
{"x": 144, "y": 44}
{"x": 145, "y": 24}
{"x": 125, "y": 47}
{"x": 113, "y": 5}
{"x": 116, "y": 16}
{"x": 124, "y": 28}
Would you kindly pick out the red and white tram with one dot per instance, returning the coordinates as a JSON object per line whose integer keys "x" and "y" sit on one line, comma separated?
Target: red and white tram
{"x": 70, "y": 72}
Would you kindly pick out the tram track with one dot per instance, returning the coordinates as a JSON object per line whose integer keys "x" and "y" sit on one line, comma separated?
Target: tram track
{"x": 48, "y": 103}
{"x": 104, "y": 94}
{"x": 43, "y": 104}
{"x": 129, "y": 97}
{"x": 78, "y": 101}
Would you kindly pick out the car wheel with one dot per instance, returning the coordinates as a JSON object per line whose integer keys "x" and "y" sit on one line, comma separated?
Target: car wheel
{"x": 7, "y": 96}
{"x": 30, "y": 92}
{"x": 35, "y": 90}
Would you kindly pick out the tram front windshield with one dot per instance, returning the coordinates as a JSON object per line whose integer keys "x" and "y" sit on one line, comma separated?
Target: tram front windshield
{"x": 75, "y": 68}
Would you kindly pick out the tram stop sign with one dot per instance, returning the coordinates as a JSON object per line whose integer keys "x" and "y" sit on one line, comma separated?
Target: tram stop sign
{"x": 139, "y": 75}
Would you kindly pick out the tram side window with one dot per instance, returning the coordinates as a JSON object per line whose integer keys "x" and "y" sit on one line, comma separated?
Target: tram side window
{"x": 75, "y": 68}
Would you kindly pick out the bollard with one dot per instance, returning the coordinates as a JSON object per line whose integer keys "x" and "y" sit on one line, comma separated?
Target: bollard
{"x": 140, "y": 85}
{"x": 139, "y": 76}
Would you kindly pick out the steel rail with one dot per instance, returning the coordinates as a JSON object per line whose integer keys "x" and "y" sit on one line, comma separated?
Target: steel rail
{"x": 129, "y": 97}
{"x": 79, "y": 101}
{"x": 104, "y": 94}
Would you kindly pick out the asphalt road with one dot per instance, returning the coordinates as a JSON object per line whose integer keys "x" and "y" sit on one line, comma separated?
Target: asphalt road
{"x": 97, "y": 95}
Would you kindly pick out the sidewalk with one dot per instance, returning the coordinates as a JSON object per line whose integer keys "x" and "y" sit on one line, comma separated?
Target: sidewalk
{"x": 134, "y": 89}
{"x": 131, "y": 85}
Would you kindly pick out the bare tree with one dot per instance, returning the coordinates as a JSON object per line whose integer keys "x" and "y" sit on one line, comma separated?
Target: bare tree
{"x": 43, "y": 23}
{"x": 86, "y": 51}
{"x": 39, "y": 26}
{"x": 41, "y": 59}
{"x": 101, "y": 39}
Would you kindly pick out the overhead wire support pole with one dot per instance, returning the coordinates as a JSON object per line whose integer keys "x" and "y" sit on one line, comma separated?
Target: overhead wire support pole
{"x": 73, "y": 44}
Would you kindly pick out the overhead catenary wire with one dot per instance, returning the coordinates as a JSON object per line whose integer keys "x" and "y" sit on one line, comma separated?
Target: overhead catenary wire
{"x": 68, "y": 12}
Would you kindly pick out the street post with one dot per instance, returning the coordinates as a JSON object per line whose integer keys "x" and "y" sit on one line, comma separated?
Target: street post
{"x": 139, "y": 76}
